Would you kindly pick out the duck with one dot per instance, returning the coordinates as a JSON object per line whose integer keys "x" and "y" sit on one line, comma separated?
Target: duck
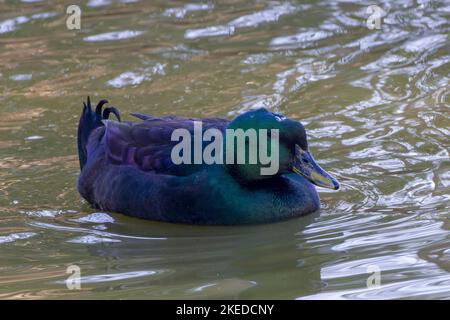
{"x": 128, "y": 167}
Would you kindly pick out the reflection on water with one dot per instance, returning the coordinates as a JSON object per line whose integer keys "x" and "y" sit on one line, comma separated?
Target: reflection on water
{"x": 109, "y": 36}
{"x": 375, "y": 104}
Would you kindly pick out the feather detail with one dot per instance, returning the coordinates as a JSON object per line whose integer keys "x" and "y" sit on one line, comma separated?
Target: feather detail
{"x": 147, "y": 144}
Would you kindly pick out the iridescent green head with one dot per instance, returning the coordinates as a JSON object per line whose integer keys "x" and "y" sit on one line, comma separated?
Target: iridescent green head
{"x": 260, "y": 145}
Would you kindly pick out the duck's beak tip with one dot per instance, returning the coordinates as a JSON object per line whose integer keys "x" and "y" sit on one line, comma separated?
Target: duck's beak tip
{"x": 306, "y": 166}
{"x": 323, "y": 179}
{"x": 336, "y": 185}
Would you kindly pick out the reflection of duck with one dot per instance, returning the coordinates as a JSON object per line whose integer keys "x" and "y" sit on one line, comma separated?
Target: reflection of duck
{"x": 127, "y": 167}
{"x": 233, "y": 261}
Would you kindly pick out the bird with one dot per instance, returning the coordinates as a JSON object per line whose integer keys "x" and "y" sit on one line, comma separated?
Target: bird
{"x": 128, "y": 167}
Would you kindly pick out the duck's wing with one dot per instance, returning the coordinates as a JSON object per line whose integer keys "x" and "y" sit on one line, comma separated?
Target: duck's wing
{"x": 147, "y": 144}
{"x": 153, "y": 118}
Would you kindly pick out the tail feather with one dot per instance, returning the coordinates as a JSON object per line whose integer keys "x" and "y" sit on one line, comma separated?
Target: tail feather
{"x": 89, "y": 121}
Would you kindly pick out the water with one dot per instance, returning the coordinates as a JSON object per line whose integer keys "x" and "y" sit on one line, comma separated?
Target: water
{"x": 375, "y": 104}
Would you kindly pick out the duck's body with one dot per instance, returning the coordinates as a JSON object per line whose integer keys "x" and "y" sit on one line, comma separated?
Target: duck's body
{"x": 127, "y": 168}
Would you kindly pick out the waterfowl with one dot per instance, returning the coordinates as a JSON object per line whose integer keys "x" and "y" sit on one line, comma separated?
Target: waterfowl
{"x": 128, "y": 167}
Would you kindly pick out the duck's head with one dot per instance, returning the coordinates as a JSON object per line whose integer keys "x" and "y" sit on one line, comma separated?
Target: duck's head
{"x": 293, "y": 153}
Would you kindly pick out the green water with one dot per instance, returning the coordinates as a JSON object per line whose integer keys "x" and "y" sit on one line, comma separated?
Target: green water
{"x": 375, "y": 104}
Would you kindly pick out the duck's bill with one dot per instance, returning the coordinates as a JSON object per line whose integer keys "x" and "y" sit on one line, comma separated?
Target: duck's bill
{"x": 306, "y": 166}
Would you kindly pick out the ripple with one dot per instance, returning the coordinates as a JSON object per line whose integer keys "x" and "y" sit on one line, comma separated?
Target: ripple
{"x": 98, "y": 3}
{"x": 303, "y": 39}
{"x": 181, "y": 52}
{"x": 9, "y": 25}
{"x": 35, "y": 137}
{"x": 212, "y": 31}
{"x": 113, "y": 36}
{"x": 288, "y": 81}
{"x": 44, "y": 213}
{"x": 21, "y": 77}
{"x": 99, "y": 278}
{"x": 392, "y": 164}
{"x": 271, "y": 14}
{"x": 91, "y": 240}
{"x": 180, "y": 12}
{"x": 103, "y": 3}
{"x": 436, "y": 286}
{"x": 330, "y": 128}
{"x": 398, "y": 235}
{"x": 44, "y": 15}
{"x": 90, "y": 231}
{"x": 96, "y": 217}
{"x": 127, "y": 78}
{"x": 16, "y": 236}
{"x": 386, "y": 61}
{"x": 398, "y": 262}
{"x": 222, "y": 287}
{"x": 259, "y": 58}
{"x": 425, "y": 43}
{"x": 135, "y": 78}
{"x": 12, "y": 24}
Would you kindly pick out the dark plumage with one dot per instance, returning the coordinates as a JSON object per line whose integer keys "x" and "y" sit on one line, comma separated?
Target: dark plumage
{"x": 127, "y": 167}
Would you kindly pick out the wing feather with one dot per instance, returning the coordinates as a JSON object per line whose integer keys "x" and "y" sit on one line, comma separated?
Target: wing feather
{"x": 147, "y": 144}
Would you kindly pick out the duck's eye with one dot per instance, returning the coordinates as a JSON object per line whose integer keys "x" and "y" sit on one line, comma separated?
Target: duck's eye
{"x": 305, "y": 160}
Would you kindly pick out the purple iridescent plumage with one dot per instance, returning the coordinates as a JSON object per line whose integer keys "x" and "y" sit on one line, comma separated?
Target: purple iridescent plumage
{"x": 147, "y": 144}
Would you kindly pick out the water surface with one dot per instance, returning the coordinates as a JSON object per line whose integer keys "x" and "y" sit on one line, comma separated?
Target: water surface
{"x": 375, "y": 104}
